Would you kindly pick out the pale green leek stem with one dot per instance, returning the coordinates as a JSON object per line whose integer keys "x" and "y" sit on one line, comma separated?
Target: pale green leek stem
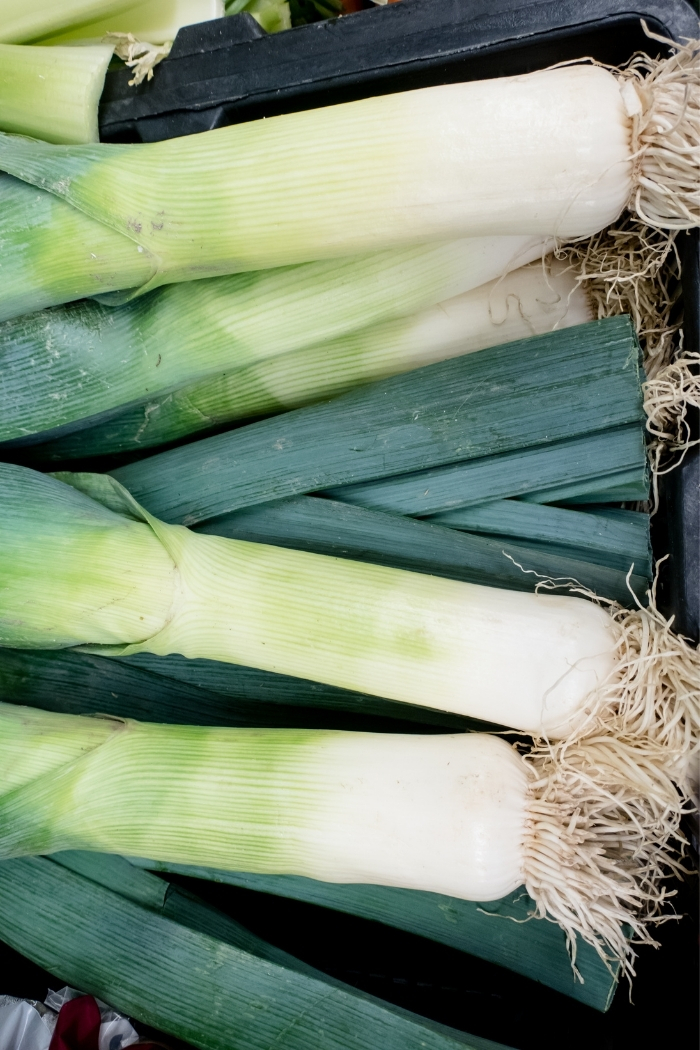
{"x": 52, "y": 94}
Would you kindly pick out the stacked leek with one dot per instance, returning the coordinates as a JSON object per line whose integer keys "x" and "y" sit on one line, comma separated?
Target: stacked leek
{"x": 557, "y": 153}
{"x": 460, "y": 815}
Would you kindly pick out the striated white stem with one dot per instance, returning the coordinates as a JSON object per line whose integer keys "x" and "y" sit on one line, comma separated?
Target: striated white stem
{"x": 590, "y": 828}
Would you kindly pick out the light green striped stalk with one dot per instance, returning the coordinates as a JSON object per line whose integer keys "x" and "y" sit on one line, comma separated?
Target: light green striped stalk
{"x": 547, "y": 154}
{"x": 74, "y": 572}
{"x": 35, "y": 742}
{"x": 113, "y": 575}
{"x": 22, "y": 21}
{"x": 155, "y": 21}
{"x": 523, "y": 302}
{"x": 51, "y": 253}
{"x": 72, "y": 363}
{"x": 343, "y": 807}
{"x": 52, "y": 95}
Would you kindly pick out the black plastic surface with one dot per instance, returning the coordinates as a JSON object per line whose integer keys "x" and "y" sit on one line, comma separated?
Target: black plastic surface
{"x": 676, "y": 528}
{"x": 229, "y": 70}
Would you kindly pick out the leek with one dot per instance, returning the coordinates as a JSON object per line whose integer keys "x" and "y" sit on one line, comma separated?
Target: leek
{"x": 525, "y": 301}
{"x": 541, "y": 390}
{"x": 156, "y": 21}
{"x": 168, "y": 972}
{"x": 77, "y": 573}
{"x": 532, "y": 948}
{"x": 461, "y": 815}
{"x": 22, "y": 21}
{"x": 52, "y": 95}
{"x": 553, "y": 153}
{"x": 50, "y": 254}
{"x": 66, "y": 365}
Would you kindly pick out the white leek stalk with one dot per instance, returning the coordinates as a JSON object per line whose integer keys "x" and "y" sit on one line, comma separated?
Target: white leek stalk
{"x": 544, "y": 664}
{"x": 52, "y": 94}
{"x": 156, "y": 21}
{"x": 460, "y": 815}
{"x": 553, "y": 153}
{"x": 22, "y": 21}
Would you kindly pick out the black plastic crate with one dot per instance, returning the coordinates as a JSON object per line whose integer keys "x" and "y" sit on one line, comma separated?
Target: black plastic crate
{"x": 229, "y": 71}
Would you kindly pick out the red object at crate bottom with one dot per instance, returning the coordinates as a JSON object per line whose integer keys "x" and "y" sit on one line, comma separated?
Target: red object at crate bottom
{"x": 78, "y": 1026}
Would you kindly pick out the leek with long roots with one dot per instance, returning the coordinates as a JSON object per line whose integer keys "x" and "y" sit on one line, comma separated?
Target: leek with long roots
{"x": 65, "y": 365}
{"x": 559, "y": 152}
{"x": 93, "y": 568}
{"x": 587, "y": 828}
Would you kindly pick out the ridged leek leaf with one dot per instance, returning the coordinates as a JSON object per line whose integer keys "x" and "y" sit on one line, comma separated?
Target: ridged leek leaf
{"x": 189, "y": 984}
{"x": 619, "y": 541}
{"x": 52, "y": 253}
{"x": 576, "y": 466}
{"x": 502, "y": 932}
{"x": 549, "y": 388}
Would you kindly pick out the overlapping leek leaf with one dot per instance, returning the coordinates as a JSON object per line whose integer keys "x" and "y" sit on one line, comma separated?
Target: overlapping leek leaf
{"x": 189, "y": 984}
{"x": 549, "y": 388}
{"x": 51, "y": 253}
{"x": 501, "y": 932}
